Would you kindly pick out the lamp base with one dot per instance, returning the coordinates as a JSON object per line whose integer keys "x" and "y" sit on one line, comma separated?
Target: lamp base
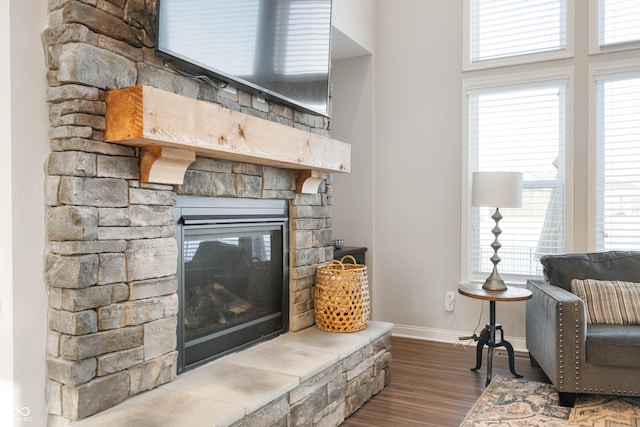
{"x": 494, "y": 282}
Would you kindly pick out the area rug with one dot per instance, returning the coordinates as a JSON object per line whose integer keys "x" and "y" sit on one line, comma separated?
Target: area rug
{"x": 509, "y": 402}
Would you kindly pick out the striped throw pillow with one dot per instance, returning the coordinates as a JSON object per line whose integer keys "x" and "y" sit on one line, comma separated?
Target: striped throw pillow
{"x": 610, "y": 302}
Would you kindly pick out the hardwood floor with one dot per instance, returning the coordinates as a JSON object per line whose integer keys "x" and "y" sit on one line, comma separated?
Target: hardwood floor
{"x": 432, "y": 384}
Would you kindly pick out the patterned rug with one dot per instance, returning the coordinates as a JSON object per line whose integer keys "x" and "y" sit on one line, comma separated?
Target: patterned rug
{"x": 508, "y": 402}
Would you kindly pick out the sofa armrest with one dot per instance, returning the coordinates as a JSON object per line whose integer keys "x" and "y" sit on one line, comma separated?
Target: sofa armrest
{"x": 556, "y": 333}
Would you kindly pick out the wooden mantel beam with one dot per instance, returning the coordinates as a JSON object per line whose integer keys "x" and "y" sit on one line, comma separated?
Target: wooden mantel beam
{"x": 173, "y": 128}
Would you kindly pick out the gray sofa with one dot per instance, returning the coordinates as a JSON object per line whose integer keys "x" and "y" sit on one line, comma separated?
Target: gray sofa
{"x": 580, "y": 358}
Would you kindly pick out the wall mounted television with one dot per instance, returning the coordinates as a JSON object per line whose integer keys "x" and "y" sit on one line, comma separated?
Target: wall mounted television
{"x": 277, "y": 49}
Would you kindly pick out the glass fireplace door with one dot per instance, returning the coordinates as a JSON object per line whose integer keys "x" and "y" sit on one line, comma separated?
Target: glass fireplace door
{"x": 233, "y": 290}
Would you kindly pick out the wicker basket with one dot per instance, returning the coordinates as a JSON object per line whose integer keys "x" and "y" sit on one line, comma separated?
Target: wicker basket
{"x": 341, "y": 300}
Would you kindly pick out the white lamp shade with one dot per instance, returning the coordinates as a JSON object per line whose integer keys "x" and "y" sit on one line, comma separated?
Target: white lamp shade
{"x": 497, "y": 189}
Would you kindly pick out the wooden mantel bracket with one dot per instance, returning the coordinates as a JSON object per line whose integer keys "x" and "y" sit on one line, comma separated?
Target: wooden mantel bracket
{"x": 308, "y": 181}
{"x": 172, "y": 129}
{"x": 164, "y": 165}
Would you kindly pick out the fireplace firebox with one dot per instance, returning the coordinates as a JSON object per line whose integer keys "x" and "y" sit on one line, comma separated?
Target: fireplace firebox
{"x": 232, "y": 274}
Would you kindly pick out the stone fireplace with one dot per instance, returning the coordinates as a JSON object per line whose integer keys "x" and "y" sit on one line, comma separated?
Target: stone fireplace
{"x": 112, "y": 262}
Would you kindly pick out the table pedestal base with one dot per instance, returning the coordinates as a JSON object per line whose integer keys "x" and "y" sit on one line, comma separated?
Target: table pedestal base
{"x": 488, "y": 337}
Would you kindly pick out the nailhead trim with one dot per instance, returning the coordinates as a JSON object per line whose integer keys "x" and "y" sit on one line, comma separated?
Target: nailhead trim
{"x": 560, "y": 345}
{"x": 577, "y": 357}
{"x": 577, "y": 338}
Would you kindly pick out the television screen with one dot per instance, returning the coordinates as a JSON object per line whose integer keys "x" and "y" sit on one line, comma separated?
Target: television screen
{"x": 277, "y": 49}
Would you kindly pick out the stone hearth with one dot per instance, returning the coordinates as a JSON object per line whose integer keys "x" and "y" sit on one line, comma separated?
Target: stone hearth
{"x": 307, "y": 378}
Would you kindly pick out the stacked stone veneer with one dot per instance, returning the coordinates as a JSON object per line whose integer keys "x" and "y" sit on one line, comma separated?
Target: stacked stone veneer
{"x": 111, "y": 255}
{"x": 328, "y": 398}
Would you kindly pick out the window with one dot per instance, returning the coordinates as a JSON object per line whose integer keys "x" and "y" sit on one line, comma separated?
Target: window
{"x": 504, "y": 32}
{"x": 519, "y": 125}
{"x": 617, "y": 154}
{"x": 615, "y": 25}
{"x": 525, "y": 123}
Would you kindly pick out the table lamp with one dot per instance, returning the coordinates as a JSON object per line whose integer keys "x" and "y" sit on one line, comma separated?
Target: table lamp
{"x": 496, "y": 190}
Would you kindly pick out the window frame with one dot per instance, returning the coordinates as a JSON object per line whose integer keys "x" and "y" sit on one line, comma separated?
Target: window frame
{"x": 564, "y": 53}
{"x": 555, "y": 75}
{"x": 594, "y": 34}
{"x": 598, "y": 72}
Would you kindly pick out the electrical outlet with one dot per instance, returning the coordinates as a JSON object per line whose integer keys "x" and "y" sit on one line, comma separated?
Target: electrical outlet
{"x": 449, "y": 301}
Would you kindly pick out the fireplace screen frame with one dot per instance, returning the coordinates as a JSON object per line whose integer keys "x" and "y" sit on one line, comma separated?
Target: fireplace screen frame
{"x": 218, "y": 217}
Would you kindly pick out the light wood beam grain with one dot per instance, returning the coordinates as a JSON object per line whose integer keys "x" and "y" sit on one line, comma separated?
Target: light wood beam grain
{"x": 143, "y": 116}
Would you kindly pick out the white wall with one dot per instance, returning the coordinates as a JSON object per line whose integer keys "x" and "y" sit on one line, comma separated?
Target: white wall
{"x": 417, "y": 166}
{"x": 29, "y": 146}
{"x": 355, "y": 19}
{"x": 352, "y": 121}
{"x": 6, "y": 268}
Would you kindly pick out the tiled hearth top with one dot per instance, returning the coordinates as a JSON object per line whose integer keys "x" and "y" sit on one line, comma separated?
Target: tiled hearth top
{"x": 224, "y": 391}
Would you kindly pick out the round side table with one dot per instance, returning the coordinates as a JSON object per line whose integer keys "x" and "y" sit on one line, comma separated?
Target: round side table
{"x": 488, "y": 335}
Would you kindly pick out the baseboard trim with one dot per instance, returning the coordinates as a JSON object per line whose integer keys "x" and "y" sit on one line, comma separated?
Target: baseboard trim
{"x": 448, "y": 336}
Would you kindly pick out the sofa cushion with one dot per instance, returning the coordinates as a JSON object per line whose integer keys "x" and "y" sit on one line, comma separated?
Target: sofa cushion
{"x": 613, "y": 345}
{"x": 559, "y": 270}
{"x": 609, "y": 302}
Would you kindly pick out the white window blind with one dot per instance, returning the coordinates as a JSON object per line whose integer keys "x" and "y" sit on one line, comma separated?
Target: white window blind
{"x": 617, "y": 139}
{"x": 506, "y": 28}
{"x": 519, "y": 127}
{"x": 618, "y": 21}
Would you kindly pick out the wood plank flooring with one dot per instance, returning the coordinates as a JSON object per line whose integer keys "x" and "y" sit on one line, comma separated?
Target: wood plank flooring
{"x": 432, "y": 384}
